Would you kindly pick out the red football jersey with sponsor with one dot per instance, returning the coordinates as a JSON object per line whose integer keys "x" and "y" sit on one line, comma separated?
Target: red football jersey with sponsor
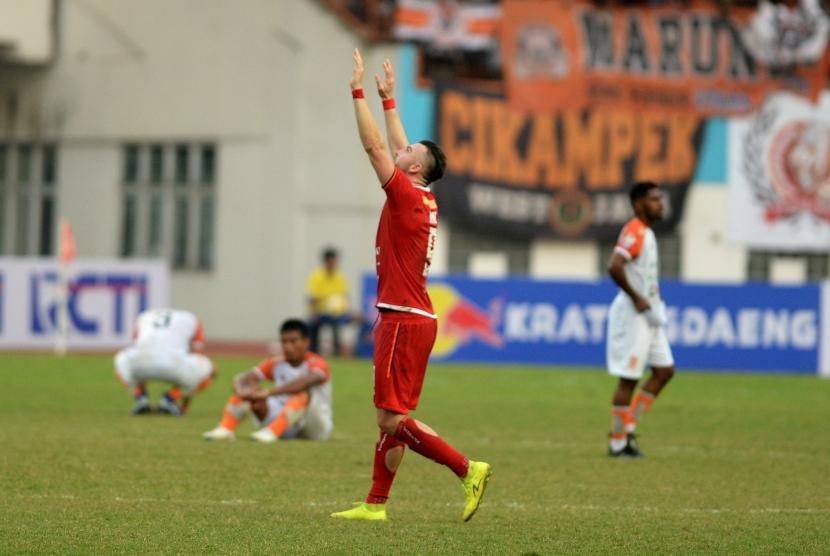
{"x": 404, "y": 246}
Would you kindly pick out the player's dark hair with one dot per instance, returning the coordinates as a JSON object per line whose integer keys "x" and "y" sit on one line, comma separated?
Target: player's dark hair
{"x": 640, "y": 190}
{"x": 330, "y": 253}
{"x": 436, "y": 162}
{"x": 292, "y": 325}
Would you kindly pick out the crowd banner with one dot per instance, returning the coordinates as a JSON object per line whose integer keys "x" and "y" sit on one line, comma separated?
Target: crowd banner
{"x": 104, "y": 298}
{"x": 556, "y": 174}
{"x": 779, "y": 176}
{"x": 447, "y": 26}
{"x": 691, "y": 58}
{"x": 747, "y": 328}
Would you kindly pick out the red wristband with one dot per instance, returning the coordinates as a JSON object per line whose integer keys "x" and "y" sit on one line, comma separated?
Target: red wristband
{"x": 389, "y": 104}
{"x": 357, "y": 93}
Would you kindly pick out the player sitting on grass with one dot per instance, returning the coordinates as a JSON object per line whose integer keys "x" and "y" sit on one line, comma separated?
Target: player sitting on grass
{"x": 166, "y": 348}
{"x": 299, "y": 403}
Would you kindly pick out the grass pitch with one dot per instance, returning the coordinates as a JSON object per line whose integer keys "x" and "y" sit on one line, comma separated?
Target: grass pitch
{"x": 735, "y": 464}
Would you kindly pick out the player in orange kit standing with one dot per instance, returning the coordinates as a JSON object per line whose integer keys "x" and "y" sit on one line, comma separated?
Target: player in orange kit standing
{"x": 636, "y": 321}
{"x": 407, "y": 329}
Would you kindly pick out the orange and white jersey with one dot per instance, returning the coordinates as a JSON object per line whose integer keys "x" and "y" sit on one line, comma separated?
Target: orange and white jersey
{"x": 638, "y": 245}
{"x": 172, "y": 330}
{"x": 281, "y": 372}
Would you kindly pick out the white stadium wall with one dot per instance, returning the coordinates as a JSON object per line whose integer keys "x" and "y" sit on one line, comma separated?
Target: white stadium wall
{"x": 706, "y": 254}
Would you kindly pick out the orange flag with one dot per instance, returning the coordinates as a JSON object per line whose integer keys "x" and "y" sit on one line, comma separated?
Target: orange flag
{"x": 67, "y": 243}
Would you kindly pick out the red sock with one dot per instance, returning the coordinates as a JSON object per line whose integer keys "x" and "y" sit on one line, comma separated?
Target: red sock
{"x": 382, "y": 476}
{"x": 431, "y": 446}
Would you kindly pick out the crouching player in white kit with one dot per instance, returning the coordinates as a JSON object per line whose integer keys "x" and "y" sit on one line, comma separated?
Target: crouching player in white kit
{"x": 636, "y": 321}
{"x": 166, "y": 348}
{"x": 299, "y": 403}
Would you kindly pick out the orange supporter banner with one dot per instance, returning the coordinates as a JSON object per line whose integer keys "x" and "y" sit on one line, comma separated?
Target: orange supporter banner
{"x": 573, "y": 55}
{"x": 561, "y": 174}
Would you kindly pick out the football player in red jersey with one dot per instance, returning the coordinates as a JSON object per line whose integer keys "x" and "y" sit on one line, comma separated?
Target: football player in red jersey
{"x": 407, "y": 328}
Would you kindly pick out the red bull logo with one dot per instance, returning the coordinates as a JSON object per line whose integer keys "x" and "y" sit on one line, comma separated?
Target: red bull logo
{"x": 460, "y": 321}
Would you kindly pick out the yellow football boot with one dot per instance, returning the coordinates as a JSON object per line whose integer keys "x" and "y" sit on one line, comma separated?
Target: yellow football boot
{"x": 364, "y": 511}
{"x": 478, "y": 475}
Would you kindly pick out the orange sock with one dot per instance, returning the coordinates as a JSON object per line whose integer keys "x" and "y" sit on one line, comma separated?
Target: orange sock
{"x": 175, "y": 393}
{"x": 205, "y": 384}
{"x": 291, "y": 412}
{"x": 235, "y": 411}
{"x": 139, "y": 391}
{"x": 619, "y": 420}
{"x": 641, "y": 403}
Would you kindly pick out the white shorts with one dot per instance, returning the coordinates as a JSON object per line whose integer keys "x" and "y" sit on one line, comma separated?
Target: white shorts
{"x": 632, "y": 343}
{"x": 186, "y": 370}
{"x": 314, "y": 422}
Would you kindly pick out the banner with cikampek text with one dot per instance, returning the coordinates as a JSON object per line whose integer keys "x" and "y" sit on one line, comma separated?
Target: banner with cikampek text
{"x": 562, "y": 174}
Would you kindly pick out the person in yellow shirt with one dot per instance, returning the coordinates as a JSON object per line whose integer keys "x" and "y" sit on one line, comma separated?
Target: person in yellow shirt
{"x": 328, "y": 297}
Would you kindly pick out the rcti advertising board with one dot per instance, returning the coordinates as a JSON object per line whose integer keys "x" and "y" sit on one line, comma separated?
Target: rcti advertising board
{"x": 104, "y": 298}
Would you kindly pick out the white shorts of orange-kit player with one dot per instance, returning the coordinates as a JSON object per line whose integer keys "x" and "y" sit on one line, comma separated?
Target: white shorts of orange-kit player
{"x": 186, "y": 370}
{"x": 312, "y": 421}
{"x": 633, "y": 343}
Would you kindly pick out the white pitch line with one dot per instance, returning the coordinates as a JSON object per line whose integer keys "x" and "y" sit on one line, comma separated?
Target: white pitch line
{"x": 513, "y": 505}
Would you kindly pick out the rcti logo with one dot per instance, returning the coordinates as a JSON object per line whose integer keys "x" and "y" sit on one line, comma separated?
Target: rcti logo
{"x": 796, "y": 177}
{"x": 95, "y": 301}
{"x": 460, "y": 321}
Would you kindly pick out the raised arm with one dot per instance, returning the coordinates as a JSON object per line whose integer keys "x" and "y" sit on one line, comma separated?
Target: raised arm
{"x": 386, "y": 89}
{"x": 370, "y": 135}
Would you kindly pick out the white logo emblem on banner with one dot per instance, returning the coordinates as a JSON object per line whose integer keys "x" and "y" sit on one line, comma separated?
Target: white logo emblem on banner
{"x": 779, "y": 175}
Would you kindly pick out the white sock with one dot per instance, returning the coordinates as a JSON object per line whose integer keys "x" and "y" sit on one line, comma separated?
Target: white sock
{"x": 618, "y": 444}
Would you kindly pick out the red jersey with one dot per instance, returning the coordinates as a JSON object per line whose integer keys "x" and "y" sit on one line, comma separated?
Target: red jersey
{"x": 404, "y": 246}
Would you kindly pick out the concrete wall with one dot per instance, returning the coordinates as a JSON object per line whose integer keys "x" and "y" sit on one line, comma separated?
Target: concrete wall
{"x": 706, "y": 255}
{"x": 26, "y": 35}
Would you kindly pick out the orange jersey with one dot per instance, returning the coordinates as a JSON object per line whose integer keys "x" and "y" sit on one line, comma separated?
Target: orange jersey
{"x": 638, "y": 245}
{"x": 280, "y": 371}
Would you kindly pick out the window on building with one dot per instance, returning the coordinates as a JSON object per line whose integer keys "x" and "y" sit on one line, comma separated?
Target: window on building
{"x": 668, "y": 249}
{"x": 28, "y": 179}
{"x": 759, "y": 265}
{"x": 167, "y": 203}
{"x": 464, "y": 244}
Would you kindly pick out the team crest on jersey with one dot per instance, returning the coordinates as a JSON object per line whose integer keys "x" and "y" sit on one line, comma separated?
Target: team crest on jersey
{"x": 787, "y": 162}
{"x": 430, "y": 203}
